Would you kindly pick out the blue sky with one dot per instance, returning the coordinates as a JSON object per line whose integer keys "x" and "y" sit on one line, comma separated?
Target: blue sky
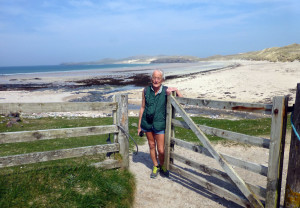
{"x": 46, "y": 32}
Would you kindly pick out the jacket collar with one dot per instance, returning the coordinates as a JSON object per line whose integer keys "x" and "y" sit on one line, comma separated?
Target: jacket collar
{"x": 159, "y": 91}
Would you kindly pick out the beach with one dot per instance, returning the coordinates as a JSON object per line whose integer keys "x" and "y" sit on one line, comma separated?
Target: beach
{"x": 237, "y": 80}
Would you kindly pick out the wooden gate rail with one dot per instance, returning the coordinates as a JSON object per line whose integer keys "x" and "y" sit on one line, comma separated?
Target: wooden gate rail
{"x": 238, "y": 106}
{"x": 27, "y": 136}
{"x": 120, "y": 119}
{"x": 216, "y": 173}
{"x": 253, "y": 193}
{"x": 250, "y": 166}
{"x": 238, "y": 137}
{"x": 6, "y": 108}
{"x": 239, "y": 199}
{"x": 35, "y": 157}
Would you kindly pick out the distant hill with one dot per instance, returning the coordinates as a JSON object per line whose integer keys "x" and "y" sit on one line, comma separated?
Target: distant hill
{"x": 176, "y": 59}
{"x": 281, "y": 54}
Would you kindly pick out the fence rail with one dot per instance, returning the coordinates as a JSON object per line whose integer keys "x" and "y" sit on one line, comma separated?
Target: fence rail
{"x": 223, "y": 105}
{"x": 253, "y": 195}
{"x": 56, "y": 107}
{"x": 238, "y": 137}
{"x": 120, "y": 119}
{"x": 216, "y": 173}
{"x": 36, "y": 157}
{"x": 28, "y": 136}
{"x": 254, "y": 167}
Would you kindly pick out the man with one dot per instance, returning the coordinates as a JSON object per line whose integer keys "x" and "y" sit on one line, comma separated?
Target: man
{"x": 152, "y": 119}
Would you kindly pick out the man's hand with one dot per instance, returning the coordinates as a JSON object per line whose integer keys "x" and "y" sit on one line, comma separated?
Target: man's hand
{"x": 171, "y": 89}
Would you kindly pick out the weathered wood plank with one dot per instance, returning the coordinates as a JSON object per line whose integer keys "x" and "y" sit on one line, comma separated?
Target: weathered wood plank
{"x": 55, "y": 107}
{"x": 107, "y": 164}
{"x": 239, "y": 182}
{"x": 250, "y": 166}
{"x": 172, "y": 126}
{"x": 114, "y": 116}
{"x": 26, "y": 136}
{"x": 243, "y": 138}
{"x": 35, "y": 157}
{"x": 168, "y": 133}
{"x": 223, "y": 193}
{"x": 122, "y": 121}
{"x": 228, "y": 105}
{"x": 216, "y": 173}
{"x": 278, "y": 127}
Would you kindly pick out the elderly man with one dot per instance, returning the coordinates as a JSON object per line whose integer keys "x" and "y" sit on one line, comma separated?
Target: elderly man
{"x": 152, "y": 119}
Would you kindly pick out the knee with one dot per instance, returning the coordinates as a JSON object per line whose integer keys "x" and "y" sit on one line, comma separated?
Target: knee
{"x": 161, "y": 150}
{"x": 151, "y": 145}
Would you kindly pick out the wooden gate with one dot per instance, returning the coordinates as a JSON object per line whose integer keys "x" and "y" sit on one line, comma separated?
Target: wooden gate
{"x": 253, "y": 195}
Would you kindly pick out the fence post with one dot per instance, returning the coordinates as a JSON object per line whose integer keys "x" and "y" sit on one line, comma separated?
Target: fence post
{"x": 172, "y": 126}
{"x": 114, "y": 117}
{"x": 170, "y": 113}
{"x": 122, "y": 121}
{"x": 292, "y": 189}
{"x": 168, "y": 133}
{"x": 277, "y": 141}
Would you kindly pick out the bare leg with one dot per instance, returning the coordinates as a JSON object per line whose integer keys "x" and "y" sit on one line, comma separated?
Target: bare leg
{"x": 152, "y": 146}
{"x": 160, "y": 141}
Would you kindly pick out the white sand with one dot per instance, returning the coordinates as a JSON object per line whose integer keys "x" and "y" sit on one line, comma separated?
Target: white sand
{"x": 253, "y": 81}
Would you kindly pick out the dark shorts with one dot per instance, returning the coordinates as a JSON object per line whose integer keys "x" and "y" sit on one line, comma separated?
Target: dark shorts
{"x": 154, "y": 131}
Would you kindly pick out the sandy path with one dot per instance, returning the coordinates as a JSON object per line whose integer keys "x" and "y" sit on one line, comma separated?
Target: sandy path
{"x": 167, "y": 192}
{"x": 178, "y": 192}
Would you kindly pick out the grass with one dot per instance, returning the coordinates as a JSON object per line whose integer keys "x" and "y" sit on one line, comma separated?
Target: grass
{"x": 254, "y": 127}
{"x": 62, "y": 183}
{"x": 72, "y": 182}
{"x": 67, "y": 186}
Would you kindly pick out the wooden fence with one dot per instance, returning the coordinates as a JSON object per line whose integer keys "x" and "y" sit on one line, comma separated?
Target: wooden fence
{"x": 252, "y": 195}
{"x": 119, "y": 108}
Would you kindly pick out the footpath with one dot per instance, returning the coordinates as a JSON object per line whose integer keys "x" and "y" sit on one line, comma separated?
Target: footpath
{"x": 172, "y": 192}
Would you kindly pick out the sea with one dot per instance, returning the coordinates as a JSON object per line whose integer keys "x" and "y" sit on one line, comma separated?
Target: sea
{"x": 10, "y": 70}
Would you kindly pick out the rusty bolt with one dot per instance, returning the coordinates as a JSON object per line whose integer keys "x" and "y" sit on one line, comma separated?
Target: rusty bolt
{"x": 276, "y": 111}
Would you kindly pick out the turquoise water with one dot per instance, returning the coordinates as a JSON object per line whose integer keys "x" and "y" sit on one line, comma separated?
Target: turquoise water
{"x": 60, "y": 68}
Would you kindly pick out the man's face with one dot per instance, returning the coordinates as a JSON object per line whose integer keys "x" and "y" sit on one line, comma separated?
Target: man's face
{"x": 156, "y": 79}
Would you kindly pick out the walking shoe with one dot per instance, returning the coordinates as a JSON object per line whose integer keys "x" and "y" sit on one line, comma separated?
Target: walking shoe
{"x": 154, "y": 172}
{"x": 164, "y": 171}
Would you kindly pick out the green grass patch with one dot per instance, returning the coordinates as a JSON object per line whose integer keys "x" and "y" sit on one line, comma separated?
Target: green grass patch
{"x": 67, "y": 186}
{"x": 29, "y": 124}
{"x": 62, "y": 183}
{"x": 253, "y": 127}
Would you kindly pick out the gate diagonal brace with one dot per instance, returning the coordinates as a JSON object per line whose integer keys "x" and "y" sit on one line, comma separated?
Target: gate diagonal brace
{"x": 238, "y": 181}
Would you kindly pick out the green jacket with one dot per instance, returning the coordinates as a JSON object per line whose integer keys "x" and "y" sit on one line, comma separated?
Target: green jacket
{"x": 155, "y": 108}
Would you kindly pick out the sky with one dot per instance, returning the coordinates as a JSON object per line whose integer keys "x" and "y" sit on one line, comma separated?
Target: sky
{"x": 50, "y": 32}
